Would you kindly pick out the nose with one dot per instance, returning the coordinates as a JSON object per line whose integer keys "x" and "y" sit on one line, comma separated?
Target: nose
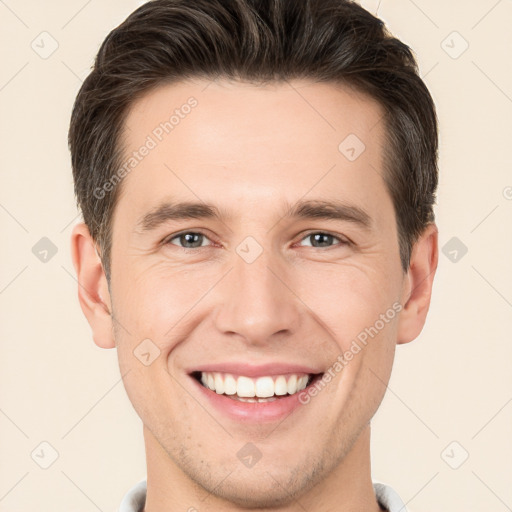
{"x": 257, "y": 302}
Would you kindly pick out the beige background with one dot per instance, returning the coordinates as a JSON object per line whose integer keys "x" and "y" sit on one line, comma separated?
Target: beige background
{"x": 454, "y": 383}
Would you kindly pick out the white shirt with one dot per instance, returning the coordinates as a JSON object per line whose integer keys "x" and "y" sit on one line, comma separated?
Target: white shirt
{"x": 135, "y": 499}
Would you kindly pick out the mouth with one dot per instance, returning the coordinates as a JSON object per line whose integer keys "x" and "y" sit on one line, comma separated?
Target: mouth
{"x": 243, "y": 391}
{"x": 255, "y": 390}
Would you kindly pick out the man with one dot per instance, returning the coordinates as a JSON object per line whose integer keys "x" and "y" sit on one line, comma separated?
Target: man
{"x": 257, "y": 181}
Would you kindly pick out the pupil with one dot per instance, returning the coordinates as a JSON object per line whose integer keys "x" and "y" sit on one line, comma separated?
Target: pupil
{"x": 322, "y": 238}
{"x": 189, "y": 239}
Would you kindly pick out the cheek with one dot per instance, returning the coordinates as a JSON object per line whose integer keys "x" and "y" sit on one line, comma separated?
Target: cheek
{"x": 158, "y": 302}
{"x": 349, "y": 299}
{"x": 163, "y": 302}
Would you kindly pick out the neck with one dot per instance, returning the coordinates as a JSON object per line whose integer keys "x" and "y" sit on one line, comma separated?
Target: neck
{"x": 347, "y": 486}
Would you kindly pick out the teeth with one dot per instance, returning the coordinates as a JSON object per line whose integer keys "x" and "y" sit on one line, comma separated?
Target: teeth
{"x": 280, "y": 386}
{"x": 265, "y": 387}
{"x": 230, "y": 385}
{"x": 262, "y": 389}
{"x": 219, "y": 383}
{"x": 292, "y": 385}
{"x": 245, "y": 387}
{"x": 253, "y": 400}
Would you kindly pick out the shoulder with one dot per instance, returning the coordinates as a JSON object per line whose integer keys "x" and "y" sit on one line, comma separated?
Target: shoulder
{"x": 388, "y": 498}
{"x": 135, "y": 498}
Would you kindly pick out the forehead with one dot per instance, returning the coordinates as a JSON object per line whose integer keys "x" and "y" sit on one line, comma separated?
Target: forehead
{"x": 252, "y": 145}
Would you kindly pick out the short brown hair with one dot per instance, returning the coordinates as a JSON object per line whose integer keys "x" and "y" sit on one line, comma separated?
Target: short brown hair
{"x": 256, "y": 41}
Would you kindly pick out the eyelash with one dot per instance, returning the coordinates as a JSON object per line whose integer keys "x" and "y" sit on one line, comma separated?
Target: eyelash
{"x": 342, "y": 241}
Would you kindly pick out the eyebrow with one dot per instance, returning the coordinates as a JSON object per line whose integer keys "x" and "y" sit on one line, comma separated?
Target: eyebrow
{"x": 311, "y": 209}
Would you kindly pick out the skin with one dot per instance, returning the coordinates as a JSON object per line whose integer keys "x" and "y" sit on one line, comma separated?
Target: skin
{"x": 251, "y": 150}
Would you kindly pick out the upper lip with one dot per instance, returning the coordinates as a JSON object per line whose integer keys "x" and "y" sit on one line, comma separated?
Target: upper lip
{"x": 255, "y": 370}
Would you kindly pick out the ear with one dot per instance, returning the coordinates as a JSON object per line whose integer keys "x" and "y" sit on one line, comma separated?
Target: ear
{"x": 417, "y": 288}
{"x": 93, "y": 293}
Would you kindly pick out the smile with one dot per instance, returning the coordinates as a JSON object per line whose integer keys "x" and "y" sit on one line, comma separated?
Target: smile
{"x": 264, "y": 397}
{"x": 247, "y": 389}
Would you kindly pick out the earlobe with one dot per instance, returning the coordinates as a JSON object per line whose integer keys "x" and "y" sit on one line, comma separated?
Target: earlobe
{"x": 417, "y": 290}
{"x": 93, "y": 292}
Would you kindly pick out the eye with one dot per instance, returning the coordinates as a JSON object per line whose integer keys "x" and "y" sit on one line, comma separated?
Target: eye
{"x": 188, "y": 240}
{"x": 195, "y": 240}
{"x": 321, "y": 239}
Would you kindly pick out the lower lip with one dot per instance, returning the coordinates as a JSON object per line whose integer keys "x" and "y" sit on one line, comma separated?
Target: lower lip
{"x": 252, "y": 411}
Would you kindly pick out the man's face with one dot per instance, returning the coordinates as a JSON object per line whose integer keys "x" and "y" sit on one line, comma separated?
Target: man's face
{"x": 257, "y": 286}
